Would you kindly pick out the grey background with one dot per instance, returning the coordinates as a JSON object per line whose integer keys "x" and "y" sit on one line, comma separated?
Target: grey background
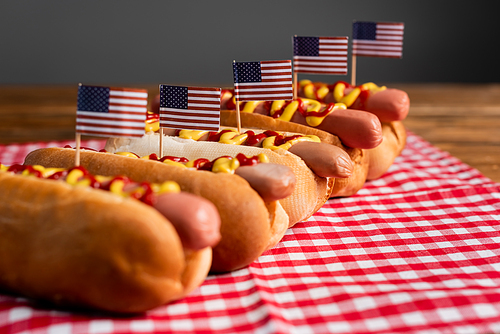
{"x": 194, "y": 42}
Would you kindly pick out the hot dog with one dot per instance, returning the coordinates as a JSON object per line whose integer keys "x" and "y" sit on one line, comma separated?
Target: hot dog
{"x": 255, "y": 115}
{"x": 388, "y": 104}
{"x": 249, "y": 225}
{"x": 356, "y": 129}
{"x": 316, "y": 176}
{"x": 343, "y": 186}
{"x": 123, "y": 250}
{"x": 272, "y": 181}
{"x": 379, "y": 131}
{"x": 309, "y": 194}
{"x": 309, "y": 148}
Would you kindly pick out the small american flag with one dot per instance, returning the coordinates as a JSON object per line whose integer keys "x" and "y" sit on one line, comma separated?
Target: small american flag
{"x": 320, "y": 55}
{"x": 108, "y": 112}
{"x": 263, "y": 80}
{"x": 196, "y": 108}
{"x": 377, "y": 39}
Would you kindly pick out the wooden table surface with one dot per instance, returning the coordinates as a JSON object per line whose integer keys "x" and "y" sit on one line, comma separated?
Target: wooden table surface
{"x": 463, "y": 119}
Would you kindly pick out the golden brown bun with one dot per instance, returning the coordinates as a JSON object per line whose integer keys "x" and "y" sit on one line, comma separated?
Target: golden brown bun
{"x": 310, "y": 193}
{"x": 89, "y": 248}
{"x": 351, "y": 185}
{"x": 280, "y": 218}
{"x": 246, "y": 223}
{"x": 198, "y": 265}
{"x": 383, "y": 156}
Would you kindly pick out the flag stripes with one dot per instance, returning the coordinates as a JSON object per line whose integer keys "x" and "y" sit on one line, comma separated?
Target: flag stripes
{"x": 378, "y": 39}
{"x": 263, "y": 81}
{"x": 104, "y": 111}
{"x": 320, "y": 55}
{"x": 196, "y": 108}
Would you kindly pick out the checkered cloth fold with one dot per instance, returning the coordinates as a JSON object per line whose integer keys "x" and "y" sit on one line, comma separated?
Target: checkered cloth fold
{"x": 416, "y": 251}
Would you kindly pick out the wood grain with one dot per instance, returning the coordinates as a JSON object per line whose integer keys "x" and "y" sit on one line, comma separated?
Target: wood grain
{"x": 463, "y": 119}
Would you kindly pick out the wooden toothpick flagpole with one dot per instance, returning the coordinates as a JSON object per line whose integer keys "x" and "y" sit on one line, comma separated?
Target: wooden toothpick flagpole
{"x": 353, "y": 70}
{"x": 77, "y": 150}
{"x": 238, "y": 117}
{"x": 160, "y": 153}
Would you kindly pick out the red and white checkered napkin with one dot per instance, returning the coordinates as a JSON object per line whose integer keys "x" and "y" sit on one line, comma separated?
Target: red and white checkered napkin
{"x": 15, "y": 154}
{"x": 416, "y": 251}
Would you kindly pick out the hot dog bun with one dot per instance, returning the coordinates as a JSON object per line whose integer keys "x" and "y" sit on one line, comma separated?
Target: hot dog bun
{"x": 247, "y": 223}
{"x": 383, "y": 156}
{"x": 352, "y": 129}
{"x": 310, "y": 193}
{"x": 375, "y": 130}
{"x": 90, "y": 248}
{"x": 359, "y": 157}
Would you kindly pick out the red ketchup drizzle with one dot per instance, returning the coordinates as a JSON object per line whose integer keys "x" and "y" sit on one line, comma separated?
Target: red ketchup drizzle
{"x": 215, "y": 136}
{"x": 58, "y": 175}
{"x": 302, "y": 106}
{"x": 270, "y": 133}
{"x": 280, "y": 112}
{"x": 172, "y": 158}
{"x": 363, "y": 96}
{"x": 247, "y": 161}
{"x": 203, "y": 164}
{"x": 147, "y": 197}
{"x": 280, "y": 140}
{"x": 267, "y": 105}
{"x": 107, "y": 185}
{"x": 323, "y": 113}
{"x": 253, "y": 139}
{"x": 153, "y": 156}
{"x": 18, "y": 169}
